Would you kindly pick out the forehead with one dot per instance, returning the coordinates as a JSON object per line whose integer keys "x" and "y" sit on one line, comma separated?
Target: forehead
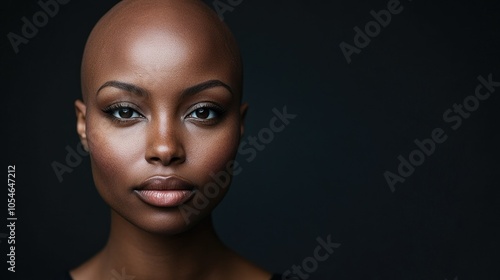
{"x": 154, "y": 44}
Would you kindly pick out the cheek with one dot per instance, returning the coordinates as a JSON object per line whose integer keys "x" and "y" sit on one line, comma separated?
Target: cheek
{"x": 214, "y": 153}
{"x": 113, "y": 156}
{"x": 218, "y": 153}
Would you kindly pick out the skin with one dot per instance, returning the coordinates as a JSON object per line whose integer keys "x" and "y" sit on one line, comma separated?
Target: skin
{"x": 143, "y": 114}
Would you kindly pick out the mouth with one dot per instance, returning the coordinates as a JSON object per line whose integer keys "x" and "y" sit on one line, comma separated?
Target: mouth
{"x": 163, "y": 191}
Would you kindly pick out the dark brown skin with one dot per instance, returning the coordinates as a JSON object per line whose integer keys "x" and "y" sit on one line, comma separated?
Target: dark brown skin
{"x": 153, "y": 126}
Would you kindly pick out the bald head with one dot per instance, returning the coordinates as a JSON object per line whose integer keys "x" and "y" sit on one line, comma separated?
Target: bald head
{"x": 137, "y": 39}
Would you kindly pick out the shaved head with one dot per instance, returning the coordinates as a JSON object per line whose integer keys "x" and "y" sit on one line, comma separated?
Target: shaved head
{"x": 137, "y": 38}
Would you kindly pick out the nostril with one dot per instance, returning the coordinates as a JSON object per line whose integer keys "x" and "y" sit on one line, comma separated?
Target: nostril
{"x": 165, "y": 155}
{"x": 165, "y": 160}
{"x": 155, "y": 159}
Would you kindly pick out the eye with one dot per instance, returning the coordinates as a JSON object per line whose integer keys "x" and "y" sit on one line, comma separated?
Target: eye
{"x": 204, "y": 113}
{"x": 125, "y": 113}
{"x": 122, "y": 112}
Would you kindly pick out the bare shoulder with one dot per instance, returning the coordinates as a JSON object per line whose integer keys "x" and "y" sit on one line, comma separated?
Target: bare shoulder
{"x": 87, "y": 270}
{"x": 244, "y": 269}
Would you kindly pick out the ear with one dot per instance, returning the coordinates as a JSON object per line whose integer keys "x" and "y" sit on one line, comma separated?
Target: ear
{"x": 81, "y": 127}
{"x": 243, "y": 113}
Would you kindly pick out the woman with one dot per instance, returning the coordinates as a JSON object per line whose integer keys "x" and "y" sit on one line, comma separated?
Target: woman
{"x": 161, "y": 117}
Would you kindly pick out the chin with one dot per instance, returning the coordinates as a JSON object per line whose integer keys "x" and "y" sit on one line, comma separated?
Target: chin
{"x": 169, "y": 221}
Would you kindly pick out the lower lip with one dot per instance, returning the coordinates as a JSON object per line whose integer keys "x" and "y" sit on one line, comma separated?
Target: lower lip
{"x": 165, "y": 198}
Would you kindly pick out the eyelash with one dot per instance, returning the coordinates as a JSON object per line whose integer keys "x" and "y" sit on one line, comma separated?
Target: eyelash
{"x": 114, "y": 108}
{"x": 219, "y": 111}
{"x": 213, "y": 108}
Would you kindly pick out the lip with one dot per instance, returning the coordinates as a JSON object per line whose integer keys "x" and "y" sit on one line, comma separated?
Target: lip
{"x": 165, "y": 191}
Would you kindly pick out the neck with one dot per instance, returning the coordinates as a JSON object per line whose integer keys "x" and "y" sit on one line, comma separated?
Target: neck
{"x": 131, "y": 251}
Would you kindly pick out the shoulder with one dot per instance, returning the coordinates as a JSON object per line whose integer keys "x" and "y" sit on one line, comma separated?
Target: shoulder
{"x": 235, "y": 266}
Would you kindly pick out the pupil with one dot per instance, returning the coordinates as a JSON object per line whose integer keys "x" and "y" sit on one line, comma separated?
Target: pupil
{"x": 125, "y": 113}
{"x": 202, "y": 113}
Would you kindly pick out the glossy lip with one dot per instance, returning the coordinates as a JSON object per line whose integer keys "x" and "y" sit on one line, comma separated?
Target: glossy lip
{"x": 165, "y": 191}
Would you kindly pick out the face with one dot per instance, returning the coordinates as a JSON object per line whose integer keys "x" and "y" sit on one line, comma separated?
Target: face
{"x": 162, "y": 117}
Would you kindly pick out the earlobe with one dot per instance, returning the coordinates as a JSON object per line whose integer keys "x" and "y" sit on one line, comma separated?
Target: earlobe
{"x": 243, "y": 113}
{"x": 81, "y": 127}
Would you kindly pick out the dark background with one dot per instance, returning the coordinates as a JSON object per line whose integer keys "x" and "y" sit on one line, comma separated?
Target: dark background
{"x": 323, "y": 175}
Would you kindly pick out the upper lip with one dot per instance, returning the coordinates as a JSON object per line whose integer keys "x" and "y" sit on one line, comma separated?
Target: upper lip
{"x": 163, "y": 183}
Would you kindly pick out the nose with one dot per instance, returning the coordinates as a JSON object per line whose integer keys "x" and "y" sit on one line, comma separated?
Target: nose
{"x": 164, "y": 143}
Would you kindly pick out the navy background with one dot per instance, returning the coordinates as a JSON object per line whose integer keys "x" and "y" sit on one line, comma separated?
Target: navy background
{"x": 323, "y": 175}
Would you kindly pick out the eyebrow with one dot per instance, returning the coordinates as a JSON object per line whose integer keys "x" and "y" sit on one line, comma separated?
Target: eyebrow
{"x": 126, "y": 87}
{"x": 144, "y": 93}
{"x": 206, "y": 85}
